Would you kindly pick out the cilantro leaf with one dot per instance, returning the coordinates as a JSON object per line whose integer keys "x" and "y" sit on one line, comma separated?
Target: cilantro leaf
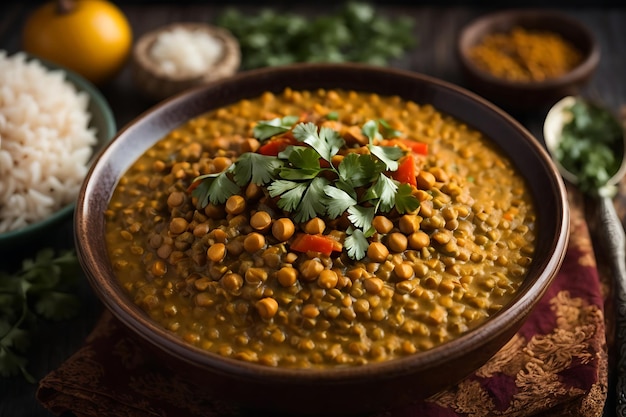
{"x": 313, "y": 202}
{"x": 389, "y": 155}
{"x": 305, "y": 163}
{"x": 33, "y": 286}
{"x": 359, "y": 170}
{"x": 215, "y": 188}
{"x": 356, "y": 244}
{"x": 339, "y": 201}
{"x": 16, "y": 338}
{"x": 388, "y": 131}
{"x": 255, "y": 168}
{"x": 265, "y": 129}
{"x": 290, "y": 193}
{"x": 370, "y": 130}
{"x": 384, "y": 190}
{"x": 12, "y": 364}
{"x": 326, "y": 142}
{"x": 54, "y": 304}
{"x": 333, "y": 115}
{"x": 405, "y": 200}
{"x": 361, "y": 216}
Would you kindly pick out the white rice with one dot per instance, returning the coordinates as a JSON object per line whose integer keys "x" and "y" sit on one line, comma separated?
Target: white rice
{"x": 185, "y": 52}
{"x": 45, "y": 141}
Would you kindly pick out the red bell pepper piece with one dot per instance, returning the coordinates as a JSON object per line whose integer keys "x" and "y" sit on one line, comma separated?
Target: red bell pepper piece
{"x": 406, "y": 172}
{"x": 419, "y": 148}
{"x": 276, "y": 145}
{"x": 304, "y": 242}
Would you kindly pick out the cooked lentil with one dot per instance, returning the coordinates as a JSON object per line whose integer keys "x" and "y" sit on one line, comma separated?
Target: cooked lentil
{"x": 224, "y": 277}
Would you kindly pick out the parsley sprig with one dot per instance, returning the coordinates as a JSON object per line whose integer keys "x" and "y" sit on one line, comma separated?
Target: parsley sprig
{"x": 39, "y": 290}
{"x": 307, "y": 184}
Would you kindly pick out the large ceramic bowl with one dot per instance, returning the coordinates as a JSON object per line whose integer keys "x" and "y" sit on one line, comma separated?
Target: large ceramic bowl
{"x": 103, "y": 121}
{"x": 342, "y": 390}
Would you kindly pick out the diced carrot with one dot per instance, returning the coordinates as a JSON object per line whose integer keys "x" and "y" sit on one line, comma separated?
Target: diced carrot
{"x": 304, "y": 242}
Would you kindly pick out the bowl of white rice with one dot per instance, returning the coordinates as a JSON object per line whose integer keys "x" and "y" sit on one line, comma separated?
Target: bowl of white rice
{"x": 52, "y": 123}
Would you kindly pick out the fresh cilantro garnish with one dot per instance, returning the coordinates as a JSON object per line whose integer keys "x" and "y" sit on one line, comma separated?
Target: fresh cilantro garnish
{"x": 389, "y": 155}
{"x": 355, "y": 32}
{"x": 41, "y": 289}
{"x": 357, "y": 170}
{"x": 405, "y": 201}
{"x": 370, "y": 129}
{"x": 306, "y": 188}
{"x": 588, "y": 146}
{"x": 326, "y": 141}
{"x": 265, "y": 129}
{"x": 215, "y": 188}
{"x": 313, "y": 202}
{"x": 356, "y": 244}
{"x": 255, "y": 168}
{"x": 333, "y": 115}
{"x": 388, "y": 131}
{"x": 305, "y": 163}
{"x": 339, "y": 201}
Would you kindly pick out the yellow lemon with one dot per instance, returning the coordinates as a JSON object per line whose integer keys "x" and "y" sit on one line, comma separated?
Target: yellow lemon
{"x": 90, "y": 37}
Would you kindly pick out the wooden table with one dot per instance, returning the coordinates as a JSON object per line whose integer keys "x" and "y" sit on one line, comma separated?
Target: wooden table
{"x": 436, "y": 29}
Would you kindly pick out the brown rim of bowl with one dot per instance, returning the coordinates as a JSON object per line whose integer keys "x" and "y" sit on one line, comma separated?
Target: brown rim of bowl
{"x": 162, "y": 117}
{"x": 501, "y": 21}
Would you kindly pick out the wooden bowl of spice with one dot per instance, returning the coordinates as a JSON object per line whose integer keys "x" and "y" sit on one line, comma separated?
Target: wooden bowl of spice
{"x": 179, "y": 56}
{"x": 525, "y": 59}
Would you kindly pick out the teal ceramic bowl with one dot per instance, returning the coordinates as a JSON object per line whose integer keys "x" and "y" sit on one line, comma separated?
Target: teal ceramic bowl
{"x": 103, "y": 120}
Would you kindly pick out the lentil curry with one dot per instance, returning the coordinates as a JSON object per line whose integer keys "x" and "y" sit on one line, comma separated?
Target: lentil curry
{"x": 249, "y": 232}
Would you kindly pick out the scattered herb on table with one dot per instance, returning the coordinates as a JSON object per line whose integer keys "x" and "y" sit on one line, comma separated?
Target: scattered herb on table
{"x": 302, "y": 175}
{"x": 354, "y": 33}
{"x": 39, "y": 290}
{"x": 590, "y": 147}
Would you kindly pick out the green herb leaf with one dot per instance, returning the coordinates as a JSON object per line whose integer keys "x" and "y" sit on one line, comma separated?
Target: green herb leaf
{"x": 405, "y": 200}
{"x": 57, "y": 305}
{"x": 333, "y": 115}
{"x": 339, "y": 201}
{"x": 265, "y": 129}
{"x": 215, "y": 188}
{"x": 388, "y": 131}
{"x": 326, "y": 142}
{"x": 359, "y": 170}
{"x": 389, "y": 155}
{"x": 313, "y": 202}
{"x": 356, "y": 32}
{"x": 306, "y": 163}
{"x": 290, "y": 193}
{"x": 361, "y": 216}
{"x": 384, "y": 190}
{"x": 370, "y": 130}
{"x": 12, "y": 364}
{"x": 356, "y": 244}
{"x": 587, "y": 147}
{"x": 255, "y": 168}
{"x": 35, "y": 284}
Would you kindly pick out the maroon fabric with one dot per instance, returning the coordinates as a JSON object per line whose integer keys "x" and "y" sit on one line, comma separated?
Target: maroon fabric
{"x": 555, "y": 365}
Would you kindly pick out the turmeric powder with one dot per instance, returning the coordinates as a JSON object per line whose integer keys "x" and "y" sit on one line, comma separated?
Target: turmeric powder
{"x": 525, "y": 55}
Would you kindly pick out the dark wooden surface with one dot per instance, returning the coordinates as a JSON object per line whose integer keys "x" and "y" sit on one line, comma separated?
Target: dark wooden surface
{"x": 436, "y": 29}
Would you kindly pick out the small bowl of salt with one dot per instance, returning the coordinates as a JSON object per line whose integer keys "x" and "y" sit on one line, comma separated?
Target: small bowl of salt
{"x": 179, "y": 56}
